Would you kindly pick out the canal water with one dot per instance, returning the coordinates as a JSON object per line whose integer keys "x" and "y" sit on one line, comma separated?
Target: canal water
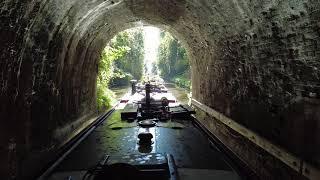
{"x": 181, "y": 94}
{"x": 119, "y": 92}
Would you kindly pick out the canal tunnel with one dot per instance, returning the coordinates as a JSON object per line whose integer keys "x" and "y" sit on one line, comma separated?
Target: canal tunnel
{"x": 255, "y": 74}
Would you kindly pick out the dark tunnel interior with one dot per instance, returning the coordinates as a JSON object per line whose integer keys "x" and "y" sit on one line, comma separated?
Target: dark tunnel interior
{"x": 255, "y": 71}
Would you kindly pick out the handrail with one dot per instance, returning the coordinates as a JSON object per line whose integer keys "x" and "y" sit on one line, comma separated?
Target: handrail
{"x": 296, "y": 163}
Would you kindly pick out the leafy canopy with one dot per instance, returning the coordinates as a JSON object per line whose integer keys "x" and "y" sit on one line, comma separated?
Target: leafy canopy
{"x": 121, "y": 61}
{"x": 173, "y": 61}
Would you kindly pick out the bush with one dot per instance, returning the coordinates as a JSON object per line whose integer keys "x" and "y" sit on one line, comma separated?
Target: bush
{"x": 182, "y": 82}
{"x": 105, "y": 97}
{"x": 121, "y": 79}
{"x": 120, "y": 60}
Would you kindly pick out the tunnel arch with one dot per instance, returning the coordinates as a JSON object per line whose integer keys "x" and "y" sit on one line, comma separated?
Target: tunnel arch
{"x": 255, "y": 62}
{"x": 86, "y": 37}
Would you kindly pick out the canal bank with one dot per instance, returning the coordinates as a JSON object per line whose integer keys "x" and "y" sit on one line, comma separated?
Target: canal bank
{"x": 181, "y": 94}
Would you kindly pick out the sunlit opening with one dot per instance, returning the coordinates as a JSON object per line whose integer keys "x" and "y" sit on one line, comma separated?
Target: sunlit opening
{"x": 151, "y": 46}
{"x": 141, "y": 54}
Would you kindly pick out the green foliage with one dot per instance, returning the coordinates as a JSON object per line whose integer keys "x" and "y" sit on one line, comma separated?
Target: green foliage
{"x": 182, "y": 82}
{"x": 132, "y": 61}
{"x": 106, "y": 68}
{"x": 122, "y": 78}
{"x": 154, "y": 69}
{"x": 121, "y": 61}
{"x": 105, "y": 97}
{"x": 173, "y": 62}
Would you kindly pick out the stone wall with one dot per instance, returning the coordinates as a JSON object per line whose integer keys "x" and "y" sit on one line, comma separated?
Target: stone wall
{"x": 255, "y": 61}
{"x": 266, "y": 75}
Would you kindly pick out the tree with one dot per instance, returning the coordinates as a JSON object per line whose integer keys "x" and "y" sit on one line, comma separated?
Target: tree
{"x": 121, "y": 61}
{"x": 154, "y": 69}
{"x": 132, "y": 62}
{"x": 106, "y": 73}
{"x": 173, "y": 62}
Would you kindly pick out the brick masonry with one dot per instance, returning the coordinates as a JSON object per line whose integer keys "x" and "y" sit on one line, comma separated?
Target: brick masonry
{"x": 255, "y": 61}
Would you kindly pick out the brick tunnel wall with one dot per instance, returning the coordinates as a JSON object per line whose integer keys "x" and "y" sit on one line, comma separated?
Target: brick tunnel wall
{"x": 255, "y": 61}
{"x": 266, "y": 75}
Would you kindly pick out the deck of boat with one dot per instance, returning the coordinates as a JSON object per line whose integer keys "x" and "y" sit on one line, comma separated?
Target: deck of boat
{"x": 194, "y": 155}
